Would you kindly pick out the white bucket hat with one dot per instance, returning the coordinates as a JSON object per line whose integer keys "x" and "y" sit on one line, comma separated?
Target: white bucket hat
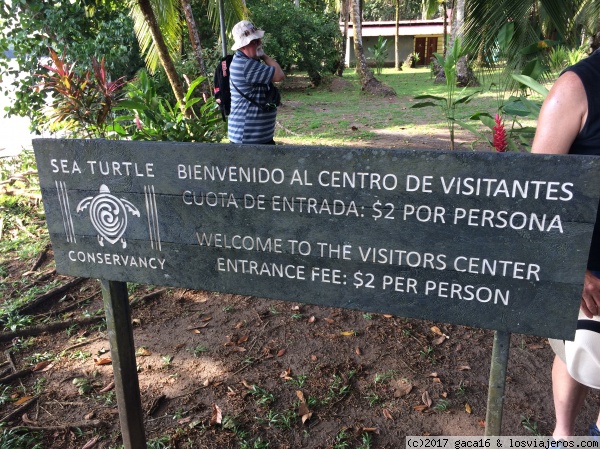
{"x": 243, "y": 33}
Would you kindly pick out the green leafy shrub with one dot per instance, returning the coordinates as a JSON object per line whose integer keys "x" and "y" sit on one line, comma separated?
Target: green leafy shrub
{"x": 79, "y": 28}
{"x": 148, "y": 116}
{"x": 379, "y": 52}
{"x": 81, "y": 103}
{"x": 297, "y": 37}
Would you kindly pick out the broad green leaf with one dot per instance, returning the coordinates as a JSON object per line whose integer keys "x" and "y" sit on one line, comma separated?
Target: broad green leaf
{"x": 465, "y": 99}
{"x": 471, "y": 128}
{"x": 432, "y": 97}
{"x": 423, "y": 105}
{"x": 534, "y": 69}
{"x": 488, "y": 121}
{"x": 505, "y": 35}
{"x": 532, "y": 84}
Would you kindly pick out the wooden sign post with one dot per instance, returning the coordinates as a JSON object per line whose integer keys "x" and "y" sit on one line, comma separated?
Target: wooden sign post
{"x": 496, "y": 241}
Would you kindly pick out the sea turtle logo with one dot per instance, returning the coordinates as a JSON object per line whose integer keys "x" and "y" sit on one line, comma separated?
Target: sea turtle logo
{"x": 108, "y": 214}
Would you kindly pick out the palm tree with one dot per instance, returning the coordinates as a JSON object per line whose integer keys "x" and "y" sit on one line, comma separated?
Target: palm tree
{"x": 159, "y": 30}
{"x": 342, "y": 7}
{"x": 397, "y": 63}
{"x": 464, "y": 74}
{"x": 194, "y": 35}
{"x": 533, "y": 20}
{"x": 149, "y": 32}
{"x": 367, "y": 80}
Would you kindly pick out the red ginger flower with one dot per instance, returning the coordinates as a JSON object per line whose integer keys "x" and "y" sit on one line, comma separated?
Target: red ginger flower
{"x": 500, "y": 142}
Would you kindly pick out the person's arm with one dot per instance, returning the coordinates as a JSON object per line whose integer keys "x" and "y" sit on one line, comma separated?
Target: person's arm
{"x": 562, "y": 117}
{"x": 278, "y": 75}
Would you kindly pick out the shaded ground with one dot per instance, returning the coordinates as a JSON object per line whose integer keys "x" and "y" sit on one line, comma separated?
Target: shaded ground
{"x": 227, "y": 371}
{"x": 364, "y": 378}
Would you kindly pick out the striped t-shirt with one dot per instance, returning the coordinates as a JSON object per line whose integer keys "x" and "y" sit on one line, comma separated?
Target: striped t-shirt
{"x": 247, "y": 123}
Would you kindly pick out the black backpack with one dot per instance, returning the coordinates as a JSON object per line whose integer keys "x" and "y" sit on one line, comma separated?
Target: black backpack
{"x": 221, "y": 83}
{"x": 222, "y": 90}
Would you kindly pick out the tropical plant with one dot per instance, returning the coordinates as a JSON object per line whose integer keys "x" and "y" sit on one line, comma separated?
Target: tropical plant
{"x": 536, "y": 23}
{"x": 81, "y": 104}
{"x": 452, "y": 100}
{"x": 150, "y": 117}
{"x": 82, "y": 29}
{"x": 514, "y": 136}
{"x": 557, "y": 58}
{"x": 379, "y": 52}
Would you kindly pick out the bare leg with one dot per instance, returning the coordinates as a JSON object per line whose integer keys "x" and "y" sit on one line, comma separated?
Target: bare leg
{"x": 569, "y": 396}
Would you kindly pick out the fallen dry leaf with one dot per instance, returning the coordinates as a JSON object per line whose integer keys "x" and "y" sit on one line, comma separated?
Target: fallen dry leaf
{"x": 287, "y": 374}
{"x": 402, "y": 389}
{"x": 313, "y": 358}
{"x": 26, "y": 420}
{"x": 109, "y": 387}
{"x": 143, "y": 352}
{"x": 206, "y": 318}
{"x": 185, "y": 420}
{"x": 312, "y": 319}
{"x": 438, "y": 341}
{"x": 329, "y": 320}
{"x": 388, "y": 316}
{"x": 437, "y": 380}
{"x": 426, "y": 399}
{"x": 239, "y": 325}
{"x": 420, "y": 408}
{"x": 358, "y": 351}
{"x": 464, "y": 368}
{"x": 468, "y": 408}
{"x": 90, "y": 415}
{"x": 300, "y": 395}
{"x": 387, "y": 414}
{"x": 434, "y": 374}
{"x": 304, "y": 412}
{"x": 280, "y": 353}
{"x": 103, "y": 361}
{"x": 199, "y": 326}
{"x": 91, "y": 443}
{"x": 246, "y": 384}
{"x": 481, "y": 423}
{"x": 536, "y": 346}
{"x": 436, "y": 330}
{"x": 243, "y": 339}
{"x": 348, "y": 333}
{"x": 23, "y": 400}
{"x": 216, "y": 416}
{"x": 41, "y": 366}
{"x": 238, "y": 349}
{"x": 296, "y": 308}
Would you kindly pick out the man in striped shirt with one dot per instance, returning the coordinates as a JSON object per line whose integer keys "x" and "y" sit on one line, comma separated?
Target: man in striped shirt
{"x": 251, "y": 71}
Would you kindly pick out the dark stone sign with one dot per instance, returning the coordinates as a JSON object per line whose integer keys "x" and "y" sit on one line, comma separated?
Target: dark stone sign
{"x": 497, "y": 241}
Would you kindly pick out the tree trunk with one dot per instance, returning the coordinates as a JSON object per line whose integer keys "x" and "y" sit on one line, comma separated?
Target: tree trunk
{"x": 163, "y": 52}
{"x": 397, "y": 62}
{"x": 464, "y": 74}
{"x": 344, "y": 17}
{"x": 367, "y": 80}
{"x": 195, "y": 40}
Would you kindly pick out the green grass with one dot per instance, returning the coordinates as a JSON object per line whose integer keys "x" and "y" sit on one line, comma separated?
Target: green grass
{"x": 325, "y": 117}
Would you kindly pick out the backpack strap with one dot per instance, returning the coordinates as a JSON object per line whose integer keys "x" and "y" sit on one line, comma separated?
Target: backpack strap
{"x": 254, "y": 102}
